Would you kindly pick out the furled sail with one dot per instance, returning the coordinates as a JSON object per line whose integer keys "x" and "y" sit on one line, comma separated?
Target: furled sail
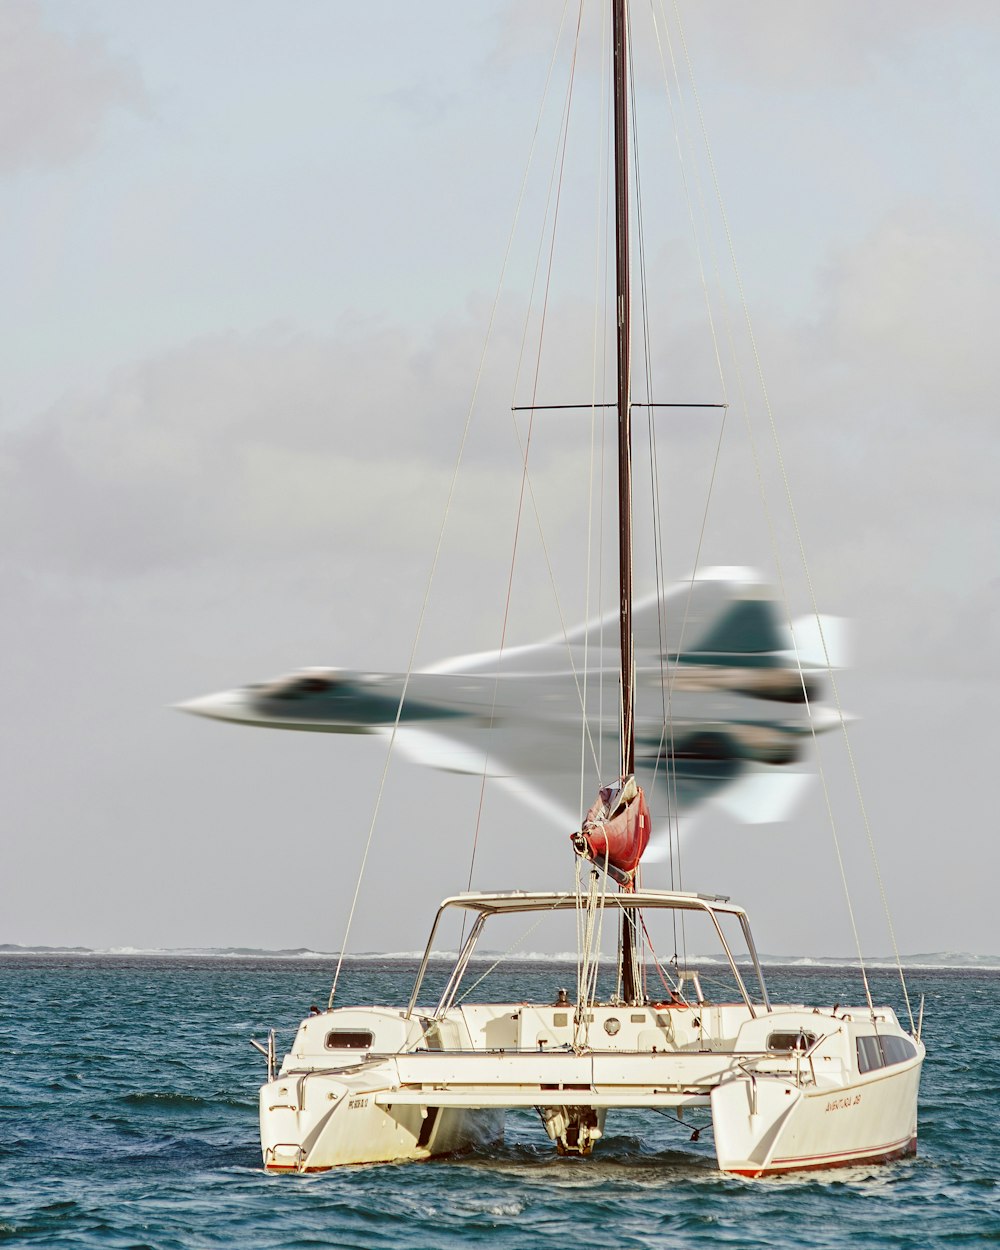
{"x": 616, "y": 829}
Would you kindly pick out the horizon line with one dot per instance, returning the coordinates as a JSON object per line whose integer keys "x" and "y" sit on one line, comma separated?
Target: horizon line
{"x": 928, "y": 960}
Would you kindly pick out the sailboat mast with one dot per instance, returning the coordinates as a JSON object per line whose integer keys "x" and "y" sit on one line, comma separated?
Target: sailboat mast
{"x": 631, "y": 977}
{"x": 620, "y": 42}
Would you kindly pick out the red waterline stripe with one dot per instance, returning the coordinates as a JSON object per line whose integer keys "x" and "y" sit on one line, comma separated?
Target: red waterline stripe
{"x": 882, "y": 1154}
{"x": 844, "y": 1153}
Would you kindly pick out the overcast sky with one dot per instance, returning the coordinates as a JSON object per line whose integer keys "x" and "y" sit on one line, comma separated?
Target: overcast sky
{"x": 248, "y": 256}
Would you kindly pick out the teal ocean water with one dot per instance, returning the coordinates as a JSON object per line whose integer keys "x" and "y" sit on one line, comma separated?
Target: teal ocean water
{"x": 128, "y": 1112}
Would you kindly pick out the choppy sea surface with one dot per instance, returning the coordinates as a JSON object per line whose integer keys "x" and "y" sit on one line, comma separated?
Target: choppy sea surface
{"x": 128, "y": 1114}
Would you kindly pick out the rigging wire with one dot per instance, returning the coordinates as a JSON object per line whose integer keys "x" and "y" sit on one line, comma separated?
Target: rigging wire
{"x": 525, "y": 445}
{"x": 674, "y": 832}
{"x": 602, "y": 486}
{"x": 444, "y": 522}
{"x": 647, "y": 369}
{"x": 531, "y": 152}
{"x": 806, "y": 571}
{"x": 769, "y": 519}
{"x": 664, "y": 978}
{"x": 667, "y": 733}
{"x": 591, "y": 926}
{"x": 600, "y": 219}
{"x": 522, "y": 937}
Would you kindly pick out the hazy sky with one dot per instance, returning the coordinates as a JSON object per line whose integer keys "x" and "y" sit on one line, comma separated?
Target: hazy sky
{"x": 248, "y": 255}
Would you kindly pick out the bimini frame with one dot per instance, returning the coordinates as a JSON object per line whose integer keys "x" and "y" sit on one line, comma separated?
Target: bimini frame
{"x": 516, "y": 901}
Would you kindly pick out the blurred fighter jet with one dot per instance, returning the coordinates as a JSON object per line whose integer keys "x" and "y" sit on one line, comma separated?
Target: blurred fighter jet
{"x": 725, "y": 707}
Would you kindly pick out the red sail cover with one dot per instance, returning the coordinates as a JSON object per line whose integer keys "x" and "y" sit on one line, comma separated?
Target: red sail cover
{"x": 617, "y": 826}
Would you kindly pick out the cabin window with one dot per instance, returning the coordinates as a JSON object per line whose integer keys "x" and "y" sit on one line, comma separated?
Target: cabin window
{"x": 791, "y": 1040}
{"x": 897, "y": 1050}
{"x": 869, "y": 1054}
{"x": 881, "y": 1052}
{"x": 350, "y": 1039}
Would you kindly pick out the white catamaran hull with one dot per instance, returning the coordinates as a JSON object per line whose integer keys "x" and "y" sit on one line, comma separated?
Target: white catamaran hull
{"x": 763, "y": 1123}
{"x": 787, "y": 1087}
{"x": 325, "y": 1123}
{"x": 767, "y": 1126}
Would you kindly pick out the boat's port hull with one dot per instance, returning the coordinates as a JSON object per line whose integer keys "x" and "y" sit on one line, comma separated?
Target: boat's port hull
{"x": 322, "y": 1122}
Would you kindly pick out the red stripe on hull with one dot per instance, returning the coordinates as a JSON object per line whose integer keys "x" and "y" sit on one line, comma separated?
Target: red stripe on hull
{"x": 812, "y": 1163}
{"x": 270, "y": 1167}
{"x": 805, "y": 1163}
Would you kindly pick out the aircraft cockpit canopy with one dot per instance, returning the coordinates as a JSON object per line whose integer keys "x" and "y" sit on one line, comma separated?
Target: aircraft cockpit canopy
{"x": 300, "y": 685}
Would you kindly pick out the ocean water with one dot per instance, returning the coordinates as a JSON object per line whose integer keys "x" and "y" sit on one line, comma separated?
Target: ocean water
{"x": 128, "y": 1114}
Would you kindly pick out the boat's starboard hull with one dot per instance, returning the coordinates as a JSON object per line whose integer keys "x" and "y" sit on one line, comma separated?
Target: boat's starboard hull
{"x": 766, "y": 1126}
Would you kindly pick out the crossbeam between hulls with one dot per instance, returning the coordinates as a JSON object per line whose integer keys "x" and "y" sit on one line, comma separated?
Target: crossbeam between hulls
{"x": 474, "y": 1099}
{"x": 617, "y": 1074}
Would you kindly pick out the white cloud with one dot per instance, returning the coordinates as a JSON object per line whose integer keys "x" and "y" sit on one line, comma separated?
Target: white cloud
{"x": 276, "y": 443}
{"x": 912, "y": 304}
{"x": 888, "y": 414}
{"x": 55, "y": 90}
{"x": 795, "y": 46}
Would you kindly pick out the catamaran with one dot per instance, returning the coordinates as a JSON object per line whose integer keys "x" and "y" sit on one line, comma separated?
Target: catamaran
{"x": 787, "y": 1086}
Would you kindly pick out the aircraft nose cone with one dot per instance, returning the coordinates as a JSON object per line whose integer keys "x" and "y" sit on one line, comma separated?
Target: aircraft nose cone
{"x": 229, "y": 705}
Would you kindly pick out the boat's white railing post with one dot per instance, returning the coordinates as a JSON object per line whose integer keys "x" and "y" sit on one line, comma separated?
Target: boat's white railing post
{"x": 461, "y": 963}
{"x": 752, "y": 1086}
{"x": 810, "y": 1052}
{"x": 423, "y": 963}
{"x": 268, "y": 1052}
{"x": 920, "y": 1018}
{"x": 748, "y": 937}
{"x": 732, "y": 962}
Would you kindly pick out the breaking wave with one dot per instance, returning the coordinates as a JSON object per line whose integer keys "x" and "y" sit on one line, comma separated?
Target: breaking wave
{"x": 924, "y": 961}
